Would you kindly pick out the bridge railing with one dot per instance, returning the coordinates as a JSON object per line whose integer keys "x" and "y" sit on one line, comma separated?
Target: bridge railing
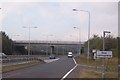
{"x": 19, "y": 58}
{"x": 48, "y": 42}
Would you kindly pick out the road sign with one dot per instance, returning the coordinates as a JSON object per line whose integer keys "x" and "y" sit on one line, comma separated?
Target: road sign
{"x": 104, "y": 54}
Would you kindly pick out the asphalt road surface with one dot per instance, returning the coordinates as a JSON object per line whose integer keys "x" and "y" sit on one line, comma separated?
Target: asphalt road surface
{"x": 56, "y": 69}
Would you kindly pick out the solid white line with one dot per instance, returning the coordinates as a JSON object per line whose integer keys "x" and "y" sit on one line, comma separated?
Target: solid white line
{"x": 75, "y": 61}
{"x": 68, "y": 72}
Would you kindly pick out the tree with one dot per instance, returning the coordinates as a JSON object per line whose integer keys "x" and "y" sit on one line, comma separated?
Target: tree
{"x": 111, "y": 43}
{"x": 95, "y": 43}
{"x": 7, "y": 44}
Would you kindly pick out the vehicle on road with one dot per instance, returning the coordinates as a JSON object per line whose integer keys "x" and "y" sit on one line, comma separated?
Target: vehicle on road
{"x": 52, "y": 56}
{"x": 70, "y": 54}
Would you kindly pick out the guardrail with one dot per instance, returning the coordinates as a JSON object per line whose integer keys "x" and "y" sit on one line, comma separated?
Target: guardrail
{"x": 20, "y": 58}
{"x": 47, "y": 42}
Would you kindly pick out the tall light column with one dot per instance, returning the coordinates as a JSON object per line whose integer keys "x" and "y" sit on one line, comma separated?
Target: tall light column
{"x": 104, "y": 38}
{"x": 88, "y": 53}
{"x": 13, "y": 36}
{"x": 103, "y": 70}
{"x": 79, "y": 39}
{"x": 29, "y": 38}
{"x": 12, "y": 48}
{"x": 47, "y": 49}
{"x": 51, "y": 45}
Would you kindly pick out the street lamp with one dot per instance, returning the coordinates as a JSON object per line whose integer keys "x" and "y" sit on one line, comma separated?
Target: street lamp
{"x": 50, "y": 44}
{"x": 12, "y": 48}
{"x": 29, "y": 38}
{"x": 79, "y": 39}
{"x": 103, "y": 71}
{"x": 47, "y": 51}
{"x": 14, "y": 35}
{"x": 88, "y": 30}
{"x": 104, "y": 38}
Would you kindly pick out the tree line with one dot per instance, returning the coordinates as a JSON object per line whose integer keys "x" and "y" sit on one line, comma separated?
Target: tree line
{"x": 8, "y": 46}
{"x": 96, "y": 42}
{"x": 111, "y": 44}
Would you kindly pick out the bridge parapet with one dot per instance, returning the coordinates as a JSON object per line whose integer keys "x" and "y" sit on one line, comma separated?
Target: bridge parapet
{"x": 48, "y": 42}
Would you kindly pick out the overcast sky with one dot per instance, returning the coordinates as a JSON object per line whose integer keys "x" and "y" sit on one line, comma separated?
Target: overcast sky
{"x": 58, "y": 19}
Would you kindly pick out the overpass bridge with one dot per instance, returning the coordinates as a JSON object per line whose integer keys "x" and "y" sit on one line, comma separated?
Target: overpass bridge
{"x": 60, "y": 47}
{"x": 47, "y": 42}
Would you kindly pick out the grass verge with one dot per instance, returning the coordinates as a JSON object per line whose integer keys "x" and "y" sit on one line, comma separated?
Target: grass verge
{"x": 19, "y": 66}
{"x": 90, "y": 73}
{"x": 110, "y": 64}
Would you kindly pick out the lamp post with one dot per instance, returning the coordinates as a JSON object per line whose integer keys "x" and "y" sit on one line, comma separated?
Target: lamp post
{"x": 47, "y": 51}
{"x": 88, "y": 30}
{"x": 51, "y": 45}
{"x": 103, "y": 70}
{"x": 12, "y": 48}
{"x": 79, "y": 39}
{"x": 29, "y": 38}
{"x": 14, "y": 35}
{"x": 104, "y": 38}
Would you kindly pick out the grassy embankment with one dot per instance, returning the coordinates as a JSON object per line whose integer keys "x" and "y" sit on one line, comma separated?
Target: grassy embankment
{"x": 110, "y": 64}
{"x": 19, "y": 66}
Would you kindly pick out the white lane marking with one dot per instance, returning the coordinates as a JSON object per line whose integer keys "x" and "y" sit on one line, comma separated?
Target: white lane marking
{"x": 51, "y": 60}
{"x": 75, "y": 61}
{"x": 68, "y": 72}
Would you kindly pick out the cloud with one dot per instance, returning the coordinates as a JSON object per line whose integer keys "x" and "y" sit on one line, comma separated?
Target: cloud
{"x": 59, "y": 19}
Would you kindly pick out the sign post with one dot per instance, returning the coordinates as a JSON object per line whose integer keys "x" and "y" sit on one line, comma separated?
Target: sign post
{"x": 103, "y": 55}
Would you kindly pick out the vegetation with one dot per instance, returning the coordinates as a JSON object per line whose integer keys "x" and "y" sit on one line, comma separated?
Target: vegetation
{"x": 111, "y": 43}
{"x": 92, "y": 73}
{"x": 19, "y": 66}
{"x": 111, "y": 66}
{"x": 8, "y": 46}
{"x": 109, "y": 63}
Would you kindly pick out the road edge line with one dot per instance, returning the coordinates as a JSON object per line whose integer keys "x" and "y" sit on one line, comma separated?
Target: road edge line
{"x": 75, "y": 61}
{"x": 68, "y": 72}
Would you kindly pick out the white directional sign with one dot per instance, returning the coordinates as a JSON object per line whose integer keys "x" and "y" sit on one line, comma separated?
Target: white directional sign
{"x": 104, "y": 54}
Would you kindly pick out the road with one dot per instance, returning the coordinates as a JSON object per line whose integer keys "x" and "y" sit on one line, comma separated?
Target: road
{"x": 56, "y": 69}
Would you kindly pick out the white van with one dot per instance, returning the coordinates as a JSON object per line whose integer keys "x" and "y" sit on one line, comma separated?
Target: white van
{"x": 70, "y": 54}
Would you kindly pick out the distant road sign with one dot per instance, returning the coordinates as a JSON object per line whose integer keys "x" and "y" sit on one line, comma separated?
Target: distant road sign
{"x": 104, "y": 54}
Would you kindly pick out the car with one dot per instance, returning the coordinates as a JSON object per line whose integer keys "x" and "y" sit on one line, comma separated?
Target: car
{"x": 70, "y": 54}
{"x": 52, "y": 56}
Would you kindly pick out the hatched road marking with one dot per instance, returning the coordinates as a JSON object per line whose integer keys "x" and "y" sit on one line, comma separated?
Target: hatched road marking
{"x": 51, "y": 60}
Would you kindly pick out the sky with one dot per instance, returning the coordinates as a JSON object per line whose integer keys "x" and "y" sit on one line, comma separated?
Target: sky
{"x": 57, "y": 19}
